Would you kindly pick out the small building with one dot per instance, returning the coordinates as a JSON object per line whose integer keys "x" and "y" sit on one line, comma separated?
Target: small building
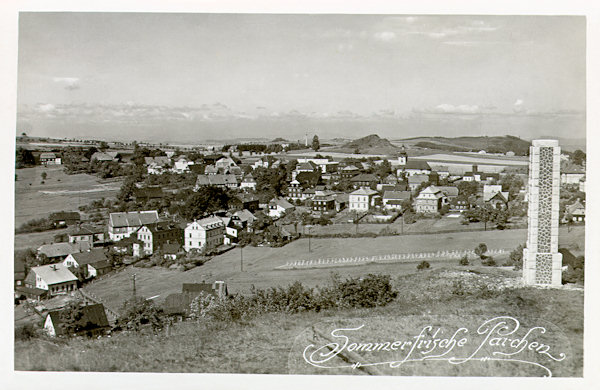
{"x": 323, "y": 202}
{"x": 87, "y": 233}
{"x": 54, "y": 278}
{"x": 92, "y": 323}
{"x": 571, "y": 174}
{"x": 217, "y": 180}
{"x": 414, "y": 167}
{"x": 349, "y": 172}
{"x": 146, "y": 194}
{"x": 204, "y": 234}
{"x": 245, "y": 217}
{"x": 342, "y": 200}
{"x": 94, "y": 262}
{"x": 49, "y": 158}
{"x": 19, "y": 271}
{"x": 576, "y": 211}
{"x": 364, "y": 180}
{"x": 278, "y": 207}
{"x": 295, "y": 190}
{"x": 248, "y": 202}
{"x": 64, "y": 218}
{"x": 393, "y": 200}
{"x": 123, "y": 224}
{"x": 60, "y": 250}
{"x": 414, "y": 181}
{"x": 105, "y": 156}
{"x": 161, "y": 161}
{"x": 182, "y": 165}
{"x": 362, "y": 199}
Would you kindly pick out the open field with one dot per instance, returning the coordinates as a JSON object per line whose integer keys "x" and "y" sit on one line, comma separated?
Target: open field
{"x": 60, "y": 192}
{"x": 259, "y": 263}
{"x": 272, "y": 343}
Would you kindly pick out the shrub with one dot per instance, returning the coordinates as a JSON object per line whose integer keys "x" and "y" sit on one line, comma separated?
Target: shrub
{"x": 516, "y": 258}
{"x": 464, "y": 260}
{"x": 423, "y": 265}
{"x": 480, "y": 250}
{"x": 489, "y": 261}
{"x": 25, "y": 332}
{"x": 138, "y": 313}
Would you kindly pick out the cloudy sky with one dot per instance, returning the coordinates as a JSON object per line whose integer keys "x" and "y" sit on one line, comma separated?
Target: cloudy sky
{"x": 131, "y": 68}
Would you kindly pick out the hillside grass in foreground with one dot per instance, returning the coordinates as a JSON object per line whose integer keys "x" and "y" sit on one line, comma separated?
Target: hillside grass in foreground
{"x": 263, "y": 344}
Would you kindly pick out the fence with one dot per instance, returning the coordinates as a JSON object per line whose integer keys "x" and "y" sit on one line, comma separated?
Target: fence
{"x": 383, "y": 259}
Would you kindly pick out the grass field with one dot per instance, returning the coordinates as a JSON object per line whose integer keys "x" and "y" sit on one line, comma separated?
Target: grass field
{"x": 259, "y": 263}
{"x": 272, "y": 343}
{"x": 60, "y": 192}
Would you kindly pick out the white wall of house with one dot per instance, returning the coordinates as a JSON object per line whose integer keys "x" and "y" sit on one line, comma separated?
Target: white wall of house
{"x": 49, "y": 326}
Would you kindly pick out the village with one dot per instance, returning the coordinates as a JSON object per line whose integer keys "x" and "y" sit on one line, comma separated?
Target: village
{"x": 181, "y": 209}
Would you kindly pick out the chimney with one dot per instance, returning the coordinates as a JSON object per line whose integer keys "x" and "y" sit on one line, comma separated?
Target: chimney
{"x": 474, "y": 168}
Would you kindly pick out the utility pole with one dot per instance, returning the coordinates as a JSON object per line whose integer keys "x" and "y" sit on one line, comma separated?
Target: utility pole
{"x": 309, "y": 228}
{"x": 133, "y": 280}
{"x": 241, "y": 258}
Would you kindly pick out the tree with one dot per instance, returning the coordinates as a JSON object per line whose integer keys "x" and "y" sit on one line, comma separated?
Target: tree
{"x": 127, "y": 188}
{"x": 206, "y": 200}
{"x": 467, "y": 188}
{"x": 578, "y": 157}
{"x": 71, "y": 319}
{"x": 24, "y": 158}
{"x": 44, "y": 175}
{"x": 511, "y": 183}
{"x": 315, "y": 143}
{"x": 138, "y": 312}
{"x": 480, "y": 250}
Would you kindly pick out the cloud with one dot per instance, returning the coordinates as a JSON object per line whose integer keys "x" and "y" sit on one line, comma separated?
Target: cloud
{"x": 518, "y": 106}
{"x": 343, "y": 47}
{"x": 70, "y": 83}
{"x": 46, "y": 107}
{"x": 385, "y": 36}
{"x": 461, "y": 109}
{"x": 519, "y": 102}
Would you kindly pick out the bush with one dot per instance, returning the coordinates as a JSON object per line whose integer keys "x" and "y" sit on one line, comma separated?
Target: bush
{"x": 138, "y": 313}
{"x": 480, "y": 250}
{"x": 25, "y": 332}
{"x": 423, "y": 265}
{"x": 489, "y": 261}
{"x": 464, "y": 260}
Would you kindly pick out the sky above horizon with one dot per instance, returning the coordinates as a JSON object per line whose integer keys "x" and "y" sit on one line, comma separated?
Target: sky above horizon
{"x": 248, "y": 65}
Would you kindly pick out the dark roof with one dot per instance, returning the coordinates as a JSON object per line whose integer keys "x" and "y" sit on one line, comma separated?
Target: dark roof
{"x": 103, "y": 264}
{"x": 171, "y": 248}
{"x": 178, "y": 303}
{"x": 397, "y": 195}
{"x": 93, "y": 317}
{"x": 84, "y": 230}
{"x": 148, "y": 192}
{"x": 65, "y": 216}
{"x": 31, "y": 291}
{"x": 365, "y": 177}
{"x": 91, "y": 257}
{"x": 417, "y": 164}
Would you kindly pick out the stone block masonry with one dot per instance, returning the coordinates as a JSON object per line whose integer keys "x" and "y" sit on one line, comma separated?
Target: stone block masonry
{"x": 542, "y": 264}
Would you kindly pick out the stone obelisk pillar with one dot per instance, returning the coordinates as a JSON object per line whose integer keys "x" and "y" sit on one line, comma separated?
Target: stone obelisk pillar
{"x": 542, "y": 263}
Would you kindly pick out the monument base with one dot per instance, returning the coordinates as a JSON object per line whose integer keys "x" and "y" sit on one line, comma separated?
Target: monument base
{"x": 542, "y": 268}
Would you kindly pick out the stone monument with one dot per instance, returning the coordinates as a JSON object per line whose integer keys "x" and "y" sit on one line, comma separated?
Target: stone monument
{"x": 542, "y": 263}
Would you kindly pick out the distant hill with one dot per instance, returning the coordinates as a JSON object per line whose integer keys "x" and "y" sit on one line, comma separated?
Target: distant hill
{"x": 473, "y": 144}
{"x": 371, "y": 144}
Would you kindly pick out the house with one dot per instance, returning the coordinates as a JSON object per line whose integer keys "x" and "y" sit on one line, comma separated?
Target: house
{"x": 245, "y": 217}
{"x": 182, "y": 165}
{"x": 393, "y": 200}
{"x": 248, "y": 202}
{"x": 476, "y": 175}
{"x": 60, "y": 250}
{"x": 323, "y": 202}
{"x": 349, "y": 172}
{"x": 225, "y": 162}
{"x": 171, "y": 249}
{"x": 233, "y": 227}
{"x": 49, "y": 158}
{"x": 121, "y": 225}
{"x": 459, "y": 204}
{"x": 94, "y": 262}
{"x": 94, "y": 235}
{"x": 32, "y": 293}
{"x": 451, "y": 192}
{"x": 414, "y": 181}
{"x": 364, "y": 180}
{"x": 161, "y": 161}
{"x": 442, "y": 171}
{"x": 54, "y": 278}
{"x": 146, "y": 194}
{"x": 582, "y": 184}
{"x": 576, "y": 211}
{"x": 391, "y": 179}
{"x": 278, "y": 207}
{"x": 430, "y": 200}
{"x": 92, "y": 323}
{"x": 103, "y": 156}
{"x": 153, "y": 236}
{"x": 414, "y": 167}
{"x": 211, "y": 170}
{"x": 295, "y": 190}
{"x": 204, "y": 234}
{"x": 571, "y": 174}
{"x": 248, "y": 183}
{"x": 217, "y": 180}
{"x": 362, "y": 199}
{"x": 156, "y": 169}
{"x": 64, "y": 218}
{"x": 494, "y": 195}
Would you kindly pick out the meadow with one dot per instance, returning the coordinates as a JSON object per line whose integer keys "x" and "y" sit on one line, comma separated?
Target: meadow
{"x": 60, "y": 192}
{"x": 259, "y": 263}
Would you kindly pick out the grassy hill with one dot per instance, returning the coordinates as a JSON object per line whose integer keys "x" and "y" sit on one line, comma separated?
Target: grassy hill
{"x": 371, "y": 144}
{"x": 272, "y": 343}
{"x": 473, "y": 144}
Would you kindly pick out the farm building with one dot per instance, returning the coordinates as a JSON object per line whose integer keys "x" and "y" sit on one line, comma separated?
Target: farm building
{"x": 54, "y": 278}
{"x": 121, "y": 225}
{"x": 92, "y": 323}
